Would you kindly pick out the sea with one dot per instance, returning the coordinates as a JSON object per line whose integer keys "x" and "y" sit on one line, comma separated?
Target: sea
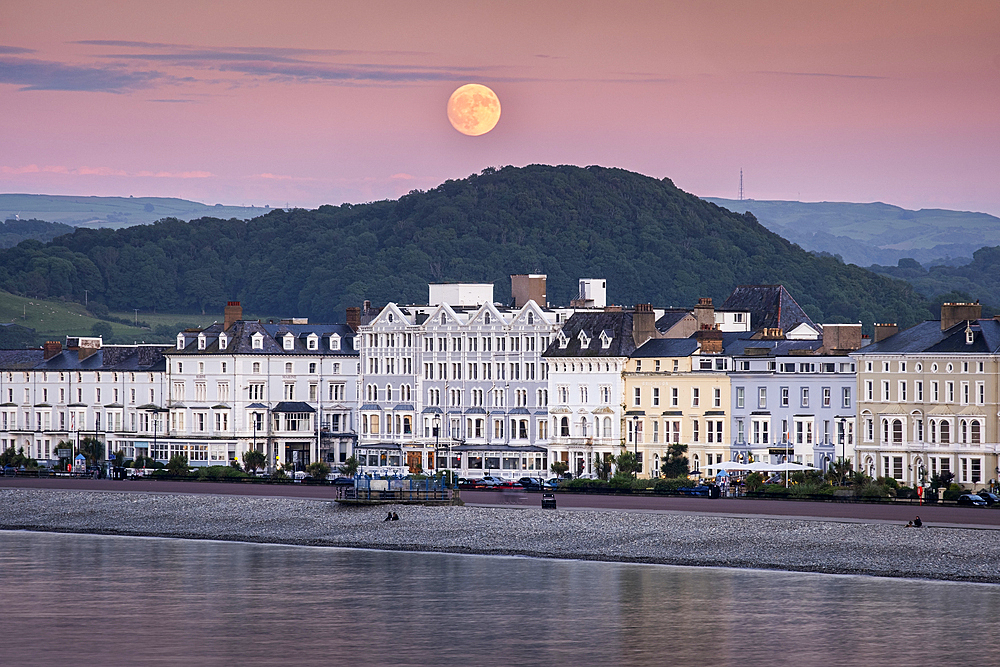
{"x": 100, "y": 600}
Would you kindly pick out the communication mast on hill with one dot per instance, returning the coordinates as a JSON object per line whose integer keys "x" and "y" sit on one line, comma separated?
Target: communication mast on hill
{"x": 741, "y": 184}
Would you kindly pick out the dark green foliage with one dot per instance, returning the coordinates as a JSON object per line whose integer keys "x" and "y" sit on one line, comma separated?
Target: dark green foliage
{"x": 350, "y": 467}
{"x": 220, "y": 472}
{"x": 13, "y": 232}
{"x": 177, "y": 466}
{"x": 671, "y": 484}
{"x": 675, "y": 464}
{"x": 10, "y": 457}
{"x": 92, "y": 449}
{"x": 318, "y": 470}
{"x": 653, "y": 243}
{"x": 626, "y": 463}
{"x": 254, "y": 461}
{"x": 979, "y": 280}
{"x": 559, "y": 468}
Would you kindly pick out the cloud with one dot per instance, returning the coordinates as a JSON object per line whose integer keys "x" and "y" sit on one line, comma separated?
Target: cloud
{"x": 33, "y": 74}
{"x": 402, "y": 177}
{"x": 13, "y": 50}
{"x": 820, "y": 74}
{"x": 100, "y": 171}
{"x": 277, "y": 177}
{"x": 175, "y": 101}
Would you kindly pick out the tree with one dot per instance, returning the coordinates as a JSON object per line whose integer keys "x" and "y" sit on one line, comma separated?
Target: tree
{"x": 559, "y": 468}
{"x": 102, "y": 329}
{"x": 350, "y": 467}
{"x": 627, "y": 463}
{"x": 318, "y": 470}
{"x": 119, "y": 458}
{"x": 254, "y": 460}
{"x": 92, "y": 449}
{"x": 602, "y": 466}
{"x": 841, "y": 471}
{"x": 675, "y": 464}
{"x": 177, "y": 466}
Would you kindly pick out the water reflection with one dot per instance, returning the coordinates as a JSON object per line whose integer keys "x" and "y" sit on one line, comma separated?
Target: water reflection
{"x": 90, "y": 600}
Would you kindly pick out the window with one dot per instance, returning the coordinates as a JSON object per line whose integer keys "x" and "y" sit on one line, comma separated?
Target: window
{"x": 935, "y": 396}
{"x": 759, "y": 431}
{"x": 805, "y": 397}
{"x": 256, "y": 391}
{"x": 288, "y": 368}
{"x": 740, "y": 400}
{"x": 950, "y": 386}
{"x": 918, "y": 388}
{"x": 826, "y": 397}
{"x": 717, "y": 397}
{"x": 885, "y": 390}
{"x": 695, "y": 397}
{"x": 674, "y": 397}
{"x": 637, "y": 400}
{"x": 761, "y": 397}
{"x": 289, "y": 393}
{"x": 846, "y": 397}
{"x": 656, "y": 397}
{"x": 784, "y": 397}
{"x": 256, "y": 367}
{"x": 694, "y": 430}
{"x": 902, "y": 390}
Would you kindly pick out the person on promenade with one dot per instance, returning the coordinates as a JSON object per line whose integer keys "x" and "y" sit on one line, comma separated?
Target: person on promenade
{"x": 917, "y": 523}
{"x": 388, "y": 517}
{"x": 395, "y": 517}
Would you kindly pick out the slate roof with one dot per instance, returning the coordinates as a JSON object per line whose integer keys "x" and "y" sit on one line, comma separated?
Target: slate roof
{"x": 666, "y": 347}
{"x": 670, "y": 318}
{"x": 618, "y": 323}
{"x": 770, "y": 307}
{"x": 736, "y": 346}
{"x": 16, "y": 360}
{"x": 136, "y": 358}
{"x": 927, "y": 337}
{"x": 241, "y": 332}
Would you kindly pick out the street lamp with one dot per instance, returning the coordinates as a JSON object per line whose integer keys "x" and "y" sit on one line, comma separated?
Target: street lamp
{"x": 437, "y": 433}
{"x": 635, "y": 442}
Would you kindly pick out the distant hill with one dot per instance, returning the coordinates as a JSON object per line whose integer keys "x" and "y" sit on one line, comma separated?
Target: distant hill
{"x": 13, "y": 232}
{"x": 876, "y": 233}
{"x": 650, "y": 240}
{"x": 115, "y": 212}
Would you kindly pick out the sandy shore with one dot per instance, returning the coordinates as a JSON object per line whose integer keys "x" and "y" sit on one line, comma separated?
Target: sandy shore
{"x": 878, "y": 549}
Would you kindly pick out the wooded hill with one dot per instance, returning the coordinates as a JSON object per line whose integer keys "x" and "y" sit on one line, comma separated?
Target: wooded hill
{"x": 650, "y": 240}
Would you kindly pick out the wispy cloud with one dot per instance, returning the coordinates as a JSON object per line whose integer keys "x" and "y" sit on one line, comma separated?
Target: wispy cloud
{"x": 100, "y": 171}
{"x": 820, "y": 74}
{"x": 14, "y": 50}
{"x": 34, "y": 74}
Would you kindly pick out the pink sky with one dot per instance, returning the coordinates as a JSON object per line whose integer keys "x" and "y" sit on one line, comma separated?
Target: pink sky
{"x": 308, "y": 103}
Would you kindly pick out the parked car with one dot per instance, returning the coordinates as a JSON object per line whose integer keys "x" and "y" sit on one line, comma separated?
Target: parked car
{"x": 9, "y": 471}
{"x": 990, "y": 498}
{"x": 487, "y": 483}
{"x": 552, "y": 483}
{"x": 971, "y": 500}
{"x": 343, "y": 481}
{"x": 530, "y": 483}
{"x": 504, "y": 484}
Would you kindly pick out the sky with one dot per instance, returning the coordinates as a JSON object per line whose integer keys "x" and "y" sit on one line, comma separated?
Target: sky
{"x": 303, "y": 103}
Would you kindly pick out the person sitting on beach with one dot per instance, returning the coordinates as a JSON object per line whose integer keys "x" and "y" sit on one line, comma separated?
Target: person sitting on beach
{"x": 388, "y": 517}
{"x": 395, "y": 517}
{"x": 917, "y": 523}
{"x": 909, "y": 524}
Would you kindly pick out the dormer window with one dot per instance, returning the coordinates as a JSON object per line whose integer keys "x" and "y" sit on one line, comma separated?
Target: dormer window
{"x": 334, "y": 342}
{"x": 312, "y": 342}
{"x": 180, "y": 341}
{"x": 563, "y": 341}
{"x": 584, "y": 340}
{"x": 223, "y": 341}
{"x": 289, "y": 341}
{"x": 201, "y": 341}
{"x": 970, "y": 336}
{"x": 257, "y": 341}
{"x": 605, "y": 340}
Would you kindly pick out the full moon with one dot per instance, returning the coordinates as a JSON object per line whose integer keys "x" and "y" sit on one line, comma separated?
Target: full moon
{"x": 473, "y": 109}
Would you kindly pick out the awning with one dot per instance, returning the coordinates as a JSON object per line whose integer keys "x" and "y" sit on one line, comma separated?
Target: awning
{"x": 293, "y": 406}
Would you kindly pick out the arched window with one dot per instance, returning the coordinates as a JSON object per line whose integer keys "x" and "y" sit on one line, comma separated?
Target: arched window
{"x": 976, "y": 433}
{"x": 945, "y": 432}
{"x": 963, "y": 431}
{"x": 885, "y": 430}
{"x": 388, "y": 393}
{"x": 564, "y": 427}
{"x": 897, "y": 431}
{"x": 607, "y": 427}
{"x": 531, "y": 318}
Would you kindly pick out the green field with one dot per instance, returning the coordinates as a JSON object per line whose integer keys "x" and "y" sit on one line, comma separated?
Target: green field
{"x": 116, "y": 212}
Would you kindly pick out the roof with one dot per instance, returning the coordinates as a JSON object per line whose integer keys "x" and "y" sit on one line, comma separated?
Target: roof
{"x": 241, "y": 334}
{"x": 737, "y": 345}
{"x": 619, "y": 323}
{"x": 927, "y": 337}
{"x": 670, "y": 318}
{"x": 293, "y": 406}
{"x": 666, "y": 347}
{"x": 770, "y": 307}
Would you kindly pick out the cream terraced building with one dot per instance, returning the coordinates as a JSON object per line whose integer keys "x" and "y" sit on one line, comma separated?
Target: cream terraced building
{"x": 928, "y": 400}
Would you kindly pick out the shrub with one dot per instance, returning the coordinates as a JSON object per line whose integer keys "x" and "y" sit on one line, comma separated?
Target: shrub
{"x": 776, "y": 490}
{"x": 671, "y": 484}
{"x": 622, "y": 480}
{"x": 220, "y": 472}
{"x": 754, "y": 482}
{"x": 906, "y": 492}
{"x": 953, "y": 492}
{"x": 580, "y": 484}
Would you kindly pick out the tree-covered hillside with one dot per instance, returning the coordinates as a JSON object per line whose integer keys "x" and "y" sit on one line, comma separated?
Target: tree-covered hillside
{"x": 651, "y": 241}
{"x": 13, "y": 232}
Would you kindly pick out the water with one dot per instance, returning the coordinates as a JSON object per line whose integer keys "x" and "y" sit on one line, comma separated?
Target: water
{"x": 92, "y": 600}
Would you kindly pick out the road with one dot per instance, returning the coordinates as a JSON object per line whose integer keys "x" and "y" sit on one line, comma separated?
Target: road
{"x": 737, "y": 507}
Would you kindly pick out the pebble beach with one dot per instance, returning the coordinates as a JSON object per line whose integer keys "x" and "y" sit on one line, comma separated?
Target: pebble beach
{"x": 829, "y": 546}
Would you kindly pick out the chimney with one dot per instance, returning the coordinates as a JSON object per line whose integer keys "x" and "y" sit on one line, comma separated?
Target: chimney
{"x": 953, "y": 313}
{"x": 643, "y": 323}
{"x": 88, "y": 346}
{"x": 841, "y": 337}
{"x": 233, "y": 314}
{"x": 52, "y": 348}
{"x": 710, "y": 340}
{"x": 704, "y": 313}
{"x": 528, "y": 287}
{"x": 883, "y": 331}
{"x": 353, "y": 317}
{"x": 612, "y": 309}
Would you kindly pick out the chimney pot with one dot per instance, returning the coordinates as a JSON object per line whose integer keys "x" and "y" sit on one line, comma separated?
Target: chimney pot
{"x": 232, "y": 314}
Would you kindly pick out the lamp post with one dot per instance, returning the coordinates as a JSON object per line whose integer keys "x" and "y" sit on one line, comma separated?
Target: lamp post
{"x": 437, "y": 434}
{"x": 635, "y": 442}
